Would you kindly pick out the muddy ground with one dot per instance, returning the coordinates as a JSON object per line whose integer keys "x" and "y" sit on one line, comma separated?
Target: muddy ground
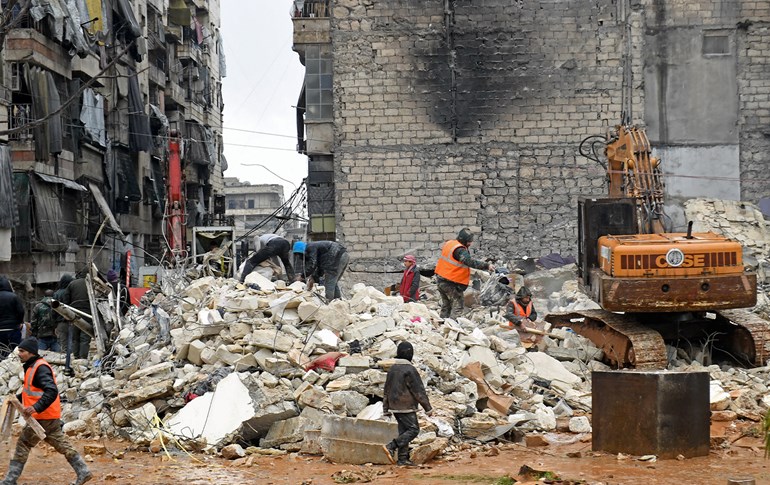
{"x": 494, "y": 464}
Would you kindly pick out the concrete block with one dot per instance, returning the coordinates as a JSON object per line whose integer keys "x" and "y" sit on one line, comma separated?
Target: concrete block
{"x": 356, "y": 441}
{"x": 368, "y": 329}
{"x": 162, "y": 368}
{"x": 271, "y": 339}
{"x": 194, "y": 352}
{"x": 425, "y": 453}
{"x": 289, "y": 430}
{"x": 355, "y": 363}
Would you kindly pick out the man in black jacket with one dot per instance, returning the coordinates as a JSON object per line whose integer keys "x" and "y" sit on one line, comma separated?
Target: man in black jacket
{"x": 403, "y": 391}
{"x": 76, "y": 296}
{"x": 328, "y": 259}
{"x": 11, "y": 318}
{"x": 40, "y": 398}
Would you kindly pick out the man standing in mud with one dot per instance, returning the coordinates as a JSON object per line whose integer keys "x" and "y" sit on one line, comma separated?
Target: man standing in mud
{"x": 40, "y": 398}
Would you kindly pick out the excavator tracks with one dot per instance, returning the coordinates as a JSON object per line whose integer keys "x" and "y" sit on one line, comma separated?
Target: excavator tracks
{"x": 639, "y": 341}
{"x": 625, "y": 341}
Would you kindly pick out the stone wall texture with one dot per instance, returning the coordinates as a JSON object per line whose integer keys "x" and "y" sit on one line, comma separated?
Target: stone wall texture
{"x": 470, "y": 113}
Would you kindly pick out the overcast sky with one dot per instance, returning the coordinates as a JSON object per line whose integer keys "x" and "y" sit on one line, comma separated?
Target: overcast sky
{"x": 264, "y": 79}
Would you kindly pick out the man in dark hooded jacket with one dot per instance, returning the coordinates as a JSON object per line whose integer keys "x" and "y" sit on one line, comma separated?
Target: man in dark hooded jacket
{"x": 11, "y": 318}
{"x": 403, "y": 392}
{"x": 76, "y": 296}
{"x": 62, "y": 325}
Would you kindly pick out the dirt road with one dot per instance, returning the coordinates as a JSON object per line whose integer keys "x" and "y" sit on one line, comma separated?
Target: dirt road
{"x": 484, "y": 465}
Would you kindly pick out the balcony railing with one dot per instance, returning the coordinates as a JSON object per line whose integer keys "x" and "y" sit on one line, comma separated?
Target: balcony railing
{"x": 20, "y": 114}
{"x": 310, "y": 8}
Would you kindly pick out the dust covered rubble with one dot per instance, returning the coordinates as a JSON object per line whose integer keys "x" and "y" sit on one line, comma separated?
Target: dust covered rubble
{"x": 220, "y": 363}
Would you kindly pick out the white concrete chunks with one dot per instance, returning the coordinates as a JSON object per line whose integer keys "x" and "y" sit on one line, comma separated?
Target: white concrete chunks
{"x": 546, "y": 367}
{"x": 369, "y": 328}
{"x": 144, "y": 391}
{"x": 199, "y": 288}
{"x": 271, "y": 339}
{"x": 579, "y": 424}
{"x": 216, "y": 414}
{"x": 254, "y": 278}
{"x": 356, "y": 441}
{"x": 194, "y": 352}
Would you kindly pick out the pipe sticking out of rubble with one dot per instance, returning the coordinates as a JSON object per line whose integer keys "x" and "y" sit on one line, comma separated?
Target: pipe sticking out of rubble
{"x": 74, "y": 316}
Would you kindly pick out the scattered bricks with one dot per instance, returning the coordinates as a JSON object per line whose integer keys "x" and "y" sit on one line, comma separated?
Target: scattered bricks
{"x": 162, "y": 368}
{"x": 425, "y": 453}
{"x": 232, "y": 452}
{"x": 535, "y": 440}
{"x": 95, "y": 449}
{"x": 724, "y": 415}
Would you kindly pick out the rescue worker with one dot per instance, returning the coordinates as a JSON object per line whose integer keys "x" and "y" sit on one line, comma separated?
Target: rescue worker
{"x": 269, "y": 245}
{"x": 298, "y": 249}
{"x": 40, "y": 398}
{"x": 76, "y": 296}
{"x": 521, "y": 315}
{"x": 410, "y": 280}
{"x": 403, "y": 391}
{"x": 62, "y": 325}
{"x": 327, "y": 259}
{"x": 44, "y": 325}
{"x": 453, "y": 272}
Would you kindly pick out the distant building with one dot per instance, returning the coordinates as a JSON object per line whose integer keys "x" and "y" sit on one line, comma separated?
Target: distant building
{"x": 259, "y": 205}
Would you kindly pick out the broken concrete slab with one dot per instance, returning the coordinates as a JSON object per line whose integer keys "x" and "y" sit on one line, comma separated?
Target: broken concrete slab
{"x": 356, "y": 441}
{"x": 424, "y": 453}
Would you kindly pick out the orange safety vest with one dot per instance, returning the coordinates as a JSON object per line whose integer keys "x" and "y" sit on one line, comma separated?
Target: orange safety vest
{"x": 451, "y": 269}
{"x": 520, "y": 311}
{"x": 31, "y": 394}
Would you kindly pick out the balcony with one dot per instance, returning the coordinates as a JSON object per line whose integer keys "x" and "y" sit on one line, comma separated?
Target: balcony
{"x": 189, "y": 51}
{"x": 29, "y": 45}
{"x": 175, "y": 95}
{"x": 157, "y": 75}
{"x": 88, "y": 68}
{"x": 20, "y": 114}
{"x": 311, "y": 23}
{"x": 312, "y": 9}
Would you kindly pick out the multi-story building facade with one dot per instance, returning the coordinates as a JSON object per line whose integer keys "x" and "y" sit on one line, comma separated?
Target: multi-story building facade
{"x": 420, "y": 117}
{"x": 91, "y": 96}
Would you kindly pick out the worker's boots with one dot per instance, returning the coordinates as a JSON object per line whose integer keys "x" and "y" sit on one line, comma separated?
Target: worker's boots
{"x": 14, "y": 471}
{"x": 80, "y": 467}
{"x": 403, "y": 457}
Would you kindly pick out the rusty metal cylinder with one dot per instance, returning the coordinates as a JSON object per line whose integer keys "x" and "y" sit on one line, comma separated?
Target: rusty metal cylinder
{"x": 73, "y": 315}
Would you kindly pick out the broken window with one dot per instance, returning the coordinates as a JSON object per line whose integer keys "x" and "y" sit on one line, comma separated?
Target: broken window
{"x": 716, "y": 44}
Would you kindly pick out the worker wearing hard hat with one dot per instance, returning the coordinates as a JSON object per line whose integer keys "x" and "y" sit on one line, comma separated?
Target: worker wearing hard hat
{"x": 453, "y": 272}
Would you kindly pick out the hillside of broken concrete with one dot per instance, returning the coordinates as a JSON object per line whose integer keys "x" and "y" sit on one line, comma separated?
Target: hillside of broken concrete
{"x": 246, "y": 368}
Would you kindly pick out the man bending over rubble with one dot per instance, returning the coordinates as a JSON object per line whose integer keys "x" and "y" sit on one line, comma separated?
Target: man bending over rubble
{"x": 40, "y": 398}
{"x": 328, "y": 259}
{"x": 270, "y": 245}
{"x": 403, "y": 391}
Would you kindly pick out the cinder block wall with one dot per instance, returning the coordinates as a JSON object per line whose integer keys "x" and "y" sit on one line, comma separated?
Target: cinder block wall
{"x": 473, "y": 116}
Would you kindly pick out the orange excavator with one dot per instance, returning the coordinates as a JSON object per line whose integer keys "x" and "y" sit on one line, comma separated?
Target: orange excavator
{"x": 654, "y": 286}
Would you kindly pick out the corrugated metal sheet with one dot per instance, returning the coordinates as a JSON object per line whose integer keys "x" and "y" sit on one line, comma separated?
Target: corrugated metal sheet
{"x": 58, "y": 180}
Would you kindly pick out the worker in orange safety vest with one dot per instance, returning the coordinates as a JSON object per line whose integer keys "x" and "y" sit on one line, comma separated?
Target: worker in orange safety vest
{"x": 521, "y": 315}
{"x": 453, "y": 272}
{"x": 40, "y": 398}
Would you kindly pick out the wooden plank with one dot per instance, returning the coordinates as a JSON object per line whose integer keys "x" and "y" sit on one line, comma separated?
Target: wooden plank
{"x": 31, "y": 422}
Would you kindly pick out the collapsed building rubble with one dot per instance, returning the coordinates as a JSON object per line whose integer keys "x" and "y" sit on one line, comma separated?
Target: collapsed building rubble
{"x": 214, "y": 363}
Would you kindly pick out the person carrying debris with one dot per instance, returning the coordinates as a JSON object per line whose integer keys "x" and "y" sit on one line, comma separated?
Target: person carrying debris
{"x": 453, "y": 272}
{"x": 76, "y": 296}
{"x": 521, "y": 315}
{"x": 11, "y": 318}
{"x": 44, "y": 325}
{"x": 40, "y": 398}
{"x": 328, "y": 259}
{"x": 410, "y": 280}
{"x": 269, "y": 245}
{"x": 403, "y": 392}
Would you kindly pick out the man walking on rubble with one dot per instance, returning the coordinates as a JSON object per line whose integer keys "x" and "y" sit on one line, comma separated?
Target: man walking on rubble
{"x": 453, "y": 272}
{"x": 62, "y": 325}
{"x": 328, "y": 259}
{"x": 40, "y": 398}
{"x": 44, "y": 325}
{"x": 76, "y": 296}
{"x": 270, "y": 245}
{"x": 403, "y": 392}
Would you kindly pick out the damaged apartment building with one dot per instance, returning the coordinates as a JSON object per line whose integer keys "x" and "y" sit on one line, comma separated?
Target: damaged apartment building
{"x": 420, "y": 117}
{"x": 92, "y": 92}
